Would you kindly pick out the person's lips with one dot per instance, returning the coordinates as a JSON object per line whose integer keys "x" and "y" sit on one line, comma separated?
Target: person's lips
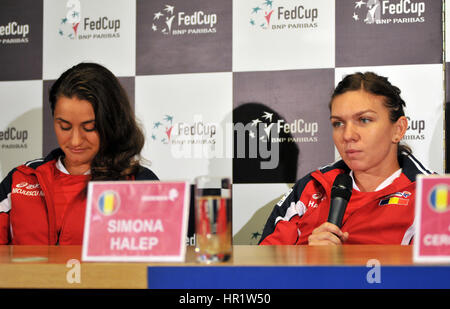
{"x": 77, "y": 150}
{"x": 352, "y": 152}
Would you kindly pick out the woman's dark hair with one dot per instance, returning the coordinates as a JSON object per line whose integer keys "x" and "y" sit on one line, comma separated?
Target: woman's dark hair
{"x": 121, "y": 139}
{"x": 376, "y": 85}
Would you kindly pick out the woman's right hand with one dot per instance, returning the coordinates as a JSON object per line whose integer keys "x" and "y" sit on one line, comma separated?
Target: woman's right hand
{"x": 327, "y": 234}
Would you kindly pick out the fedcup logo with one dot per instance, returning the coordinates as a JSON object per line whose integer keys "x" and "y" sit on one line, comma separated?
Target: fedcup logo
{"x": 75, "y": 26}
{"x": 161, "y": 130}
{"x": 369, "y": 11}
{"x": 163, "y": 19}
{"x": 14, "y": 33}
{"x": 269, "y": 16}
{"x": 388, "y": 11}
{"x": 439, "y": 198}
{"x": 108, "y": 202}
{"x": 306, "y": 130}
{"x": 68, "y": 26}
{"x": 416, "y": 129}
{"x": 189, "y": 139}
{"x": 169, "y": 21}
{"x": 266, "y": 124}
{"x": 261, "y": 14}
{"x": 201, "y": 139}
{"x": 13, "y": 138}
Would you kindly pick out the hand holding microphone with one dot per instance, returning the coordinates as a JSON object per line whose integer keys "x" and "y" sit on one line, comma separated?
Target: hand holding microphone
{"x": 329, "y": 232}
{"x": 340, "y": 195}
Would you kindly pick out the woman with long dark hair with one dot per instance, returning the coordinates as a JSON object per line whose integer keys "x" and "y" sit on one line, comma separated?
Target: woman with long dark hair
{"x": 44, "y": 200}
{"x": 368, "y": 122}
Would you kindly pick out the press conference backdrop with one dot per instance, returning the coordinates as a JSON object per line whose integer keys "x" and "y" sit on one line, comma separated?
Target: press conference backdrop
{"x": 231, "y": 88}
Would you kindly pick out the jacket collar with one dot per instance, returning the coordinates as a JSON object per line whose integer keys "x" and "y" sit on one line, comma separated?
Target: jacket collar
{"x": 408, "y": 163}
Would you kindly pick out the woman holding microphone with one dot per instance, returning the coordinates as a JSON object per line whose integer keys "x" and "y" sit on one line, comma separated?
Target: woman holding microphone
{"x": 368, "y": 122}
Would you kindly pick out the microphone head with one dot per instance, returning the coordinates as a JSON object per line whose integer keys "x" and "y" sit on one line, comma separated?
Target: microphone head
{"x": 342, "y": 187}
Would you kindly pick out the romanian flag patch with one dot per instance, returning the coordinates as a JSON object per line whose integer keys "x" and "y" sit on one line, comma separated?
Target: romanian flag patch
{"x": 400, "y": 198}
{"x": 394, "y": 201}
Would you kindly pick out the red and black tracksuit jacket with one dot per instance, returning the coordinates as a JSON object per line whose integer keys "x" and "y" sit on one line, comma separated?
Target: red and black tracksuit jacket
{"x": 28, "y": 213}
{"x": 381, "y": 217}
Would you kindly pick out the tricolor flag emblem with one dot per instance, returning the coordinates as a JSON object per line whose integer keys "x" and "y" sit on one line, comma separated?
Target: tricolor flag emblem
{"x": 394, "y": 201}
{"x": 108, "y": 202}
{"x": 439, "y": 198}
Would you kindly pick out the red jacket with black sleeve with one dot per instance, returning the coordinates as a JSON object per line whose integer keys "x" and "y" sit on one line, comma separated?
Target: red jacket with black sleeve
{"x": 381, "y": 217}
{"x": 28, "y": 213}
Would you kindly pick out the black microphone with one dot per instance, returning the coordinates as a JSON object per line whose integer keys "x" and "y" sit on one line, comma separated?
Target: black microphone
{"x": 340, "y": 195}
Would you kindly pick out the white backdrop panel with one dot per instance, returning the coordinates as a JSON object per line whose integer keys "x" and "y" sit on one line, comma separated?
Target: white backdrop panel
{"x": 187, "y": 121}
{"x": 298, "y": 35}
{"x": 105, "y": 34}
{"x": 20, "y": 123}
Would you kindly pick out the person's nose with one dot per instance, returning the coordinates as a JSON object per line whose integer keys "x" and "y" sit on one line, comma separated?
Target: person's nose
{"x": 76, "y": 138}
{"x": 350, "y": 133}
